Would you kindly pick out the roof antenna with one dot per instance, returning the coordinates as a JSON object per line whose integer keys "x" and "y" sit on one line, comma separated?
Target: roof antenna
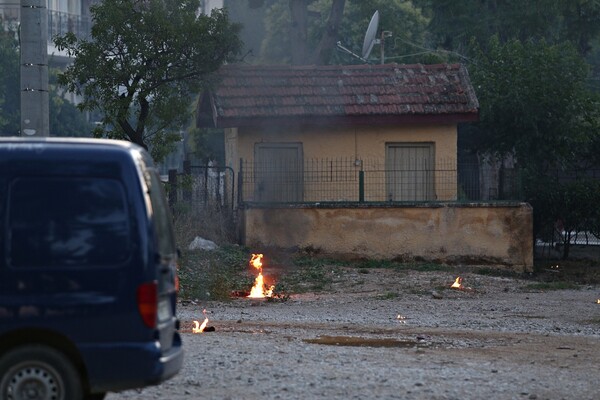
{"x": 370, "y": 40}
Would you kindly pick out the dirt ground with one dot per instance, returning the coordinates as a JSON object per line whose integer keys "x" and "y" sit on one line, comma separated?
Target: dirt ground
{"x": 388, "y": 334}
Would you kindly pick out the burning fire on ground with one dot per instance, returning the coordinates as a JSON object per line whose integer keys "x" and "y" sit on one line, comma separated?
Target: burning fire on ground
{"x": 458, "y": 285}
{"x": 260, "y": 289}
{"x": 199, "y": 328}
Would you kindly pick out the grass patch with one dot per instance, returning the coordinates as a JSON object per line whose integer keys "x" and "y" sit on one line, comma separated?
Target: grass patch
{"x": 400, "y": 266}
{"x": 212, "y": 275}
{"x": 307, "y": 276}
{"x": 388, "y": 296}
{"x": 500, "y": 272}
{"x": 425, "y": 267}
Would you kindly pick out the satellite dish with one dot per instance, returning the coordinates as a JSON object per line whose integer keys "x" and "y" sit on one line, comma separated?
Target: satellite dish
{"x": 370, "y": 40}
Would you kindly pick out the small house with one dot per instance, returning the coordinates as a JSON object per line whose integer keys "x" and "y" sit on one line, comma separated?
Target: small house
{"x": 359, "y": 160}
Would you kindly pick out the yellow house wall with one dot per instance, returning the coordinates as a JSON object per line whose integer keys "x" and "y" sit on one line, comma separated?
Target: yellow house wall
{"x": 355, "y": 143}
{"x": 454, "y": 233}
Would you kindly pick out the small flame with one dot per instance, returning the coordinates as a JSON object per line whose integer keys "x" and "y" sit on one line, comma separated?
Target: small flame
{"x": 598, "y": 301}
{"x": 258, "y": 290}
{"x": 256, "y": 261}
{"x": 199, "y": 328}
{"x": 457, "y": 283}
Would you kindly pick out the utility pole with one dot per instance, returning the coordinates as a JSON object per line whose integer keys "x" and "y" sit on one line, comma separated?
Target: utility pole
{"x": 34, "y": 68}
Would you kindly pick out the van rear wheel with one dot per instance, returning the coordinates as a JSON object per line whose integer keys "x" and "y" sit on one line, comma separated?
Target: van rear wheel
{"x": 37, "y": 372}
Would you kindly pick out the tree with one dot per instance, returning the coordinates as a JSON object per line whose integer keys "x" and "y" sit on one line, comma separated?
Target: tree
{"x": 9, "y": 84}
{"x": 144, "y": 62}
{"x": 65, "y": 118}
{"x": 288, "y": 23}
{"x": 534, "y": 103}
{"x": 406, "y": 23}
{"x": 294, "y": 27}
{"x": 535, "y": 106}
{"x": 455, "y": 23}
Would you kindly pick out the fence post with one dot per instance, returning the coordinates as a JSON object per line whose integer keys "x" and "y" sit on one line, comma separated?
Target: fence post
{"x": 172, "y": 187}
{"x": 188, "y": 181}
{"x": 240, "y": 183}
{"x": 361, "y": 186}
{"x": 218, "y": 188}
{"x": 206, "y": 181}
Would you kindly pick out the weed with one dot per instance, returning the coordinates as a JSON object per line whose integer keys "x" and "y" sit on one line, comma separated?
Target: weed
{"x": 500, "y": 272}
{"x": 401, "y": 266}
{"x": 388, "y": 296}
{"x": 312, "y": 277}
{"x": 425, "y": 267}
{"x": 364, "y": 264}
{"x": 213, "y": 274}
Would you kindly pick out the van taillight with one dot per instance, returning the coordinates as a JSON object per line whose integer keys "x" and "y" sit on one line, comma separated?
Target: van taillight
{"x": 147, "y": 300}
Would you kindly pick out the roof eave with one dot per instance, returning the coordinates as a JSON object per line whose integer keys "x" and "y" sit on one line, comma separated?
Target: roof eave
{"x": 372, "y": 120}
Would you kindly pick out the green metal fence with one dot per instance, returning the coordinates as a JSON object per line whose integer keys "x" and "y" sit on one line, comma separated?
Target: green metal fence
{"x": 350, "y": 180}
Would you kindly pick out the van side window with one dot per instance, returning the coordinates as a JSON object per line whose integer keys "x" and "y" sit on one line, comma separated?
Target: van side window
{"x": 67, "y": 222}
{"x": 160, "y": 209}
{"x": 3, "y": 191}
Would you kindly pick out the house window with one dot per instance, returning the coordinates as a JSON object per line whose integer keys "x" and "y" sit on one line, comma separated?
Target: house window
{"x": 278, "y": 172}
{"x": 410, "y": 171}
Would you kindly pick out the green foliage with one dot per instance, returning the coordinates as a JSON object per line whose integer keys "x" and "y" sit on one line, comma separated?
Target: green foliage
{"x": 275, "y": 48}
{"x": 455, "y": 23}
{"x": 567, "y": 206}
{"x": 405, "y": 22}
{"x": 64, "y": 118}
{"x": 207, "y": 144}
{"x": 307, "y": 277}
{"x": 212, "y": 275}
{"x": 534, "y": 102}
{"x": 536, "y": 106}
{"x": 401, "y": 266}
{"x": 401, "y": 17}
{"x": 143, "y": 64}
{"x": 9, "y": 84}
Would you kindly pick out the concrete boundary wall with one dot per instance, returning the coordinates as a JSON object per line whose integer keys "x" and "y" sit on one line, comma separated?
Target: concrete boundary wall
{"x": 492, "y": 233}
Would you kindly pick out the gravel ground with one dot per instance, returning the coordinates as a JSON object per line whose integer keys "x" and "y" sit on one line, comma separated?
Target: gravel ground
{"x": 394, "y": 335}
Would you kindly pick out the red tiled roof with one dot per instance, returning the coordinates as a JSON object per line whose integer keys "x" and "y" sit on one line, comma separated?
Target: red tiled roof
{"x": 373, "y": 94}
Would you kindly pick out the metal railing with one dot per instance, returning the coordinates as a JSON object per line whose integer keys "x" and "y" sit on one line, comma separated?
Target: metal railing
{"x": 202, "y": 186}
{"x": 59, "y": 22}
{"x": 349, "y": 180}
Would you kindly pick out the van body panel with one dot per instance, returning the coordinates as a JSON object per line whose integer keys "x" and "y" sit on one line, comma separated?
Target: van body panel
{"x": 84, "y": 223}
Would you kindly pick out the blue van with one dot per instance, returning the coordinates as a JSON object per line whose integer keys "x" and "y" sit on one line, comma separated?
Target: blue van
{"x": 88, "y": 278}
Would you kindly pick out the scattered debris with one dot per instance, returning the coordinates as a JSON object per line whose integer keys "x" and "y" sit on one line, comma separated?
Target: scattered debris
{"x": 202, "y": 244}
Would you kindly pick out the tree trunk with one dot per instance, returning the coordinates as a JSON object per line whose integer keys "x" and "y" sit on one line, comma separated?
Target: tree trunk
{"x": 322, "y": 53}
{"x": 298, "y": 30}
